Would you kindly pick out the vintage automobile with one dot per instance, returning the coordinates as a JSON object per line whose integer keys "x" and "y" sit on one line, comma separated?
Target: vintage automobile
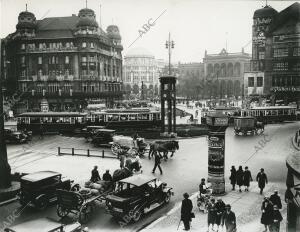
{"x": 89, "y": 131}
{"x": 12, "y": 136}
{"x": 127, "y": 144}
{"x": 39, "y": 188}
{"x": 103, "y": 137}
{"x": 137, "y": 195}
{"x": 45, "y": 225}
{"x": 247, "y": 125}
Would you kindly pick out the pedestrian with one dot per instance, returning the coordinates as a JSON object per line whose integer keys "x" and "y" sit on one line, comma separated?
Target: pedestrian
{"x": 122, "y": 157}
{"x": 240, "y": 178}
{"x": 233, "y": 177}
{"x": 247, "y": 178}
{"x": 220, "y": 209}
{"x": 106, "y": 176}
{"x": 262, "y": 180}
{"x": 267, "y": 213}
{"x": 186, "y": 211}
{"x": 202, "y": 187}
{"x": 276, "y": 219}
{"x": 211, "y": 214}
{"x": 157, "y": 161}
{"x": 41, "y": 130}
{"x": 275, "y": 199}
{"x": 95, "y": 175}
{"x": 229, "y": 220}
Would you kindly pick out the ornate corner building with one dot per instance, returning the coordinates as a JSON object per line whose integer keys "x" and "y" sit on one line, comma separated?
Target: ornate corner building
{"x": 62, "y": 62}
{"x": 275, "y": 63}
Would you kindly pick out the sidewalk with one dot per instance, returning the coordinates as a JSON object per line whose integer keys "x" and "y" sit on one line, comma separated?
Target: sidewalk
{"x": 245, "y": 205}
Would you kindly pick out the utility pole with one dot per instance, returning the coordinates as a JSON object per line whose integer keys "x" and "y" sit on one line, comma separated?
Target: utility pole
{"x": 5, "y": 170}
{"x": 170, "y": 45}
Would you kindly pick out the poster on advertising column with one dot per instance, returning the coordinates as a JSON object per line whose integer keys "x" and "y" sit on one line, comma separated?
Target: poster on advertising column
{"x": 216, "y": 152}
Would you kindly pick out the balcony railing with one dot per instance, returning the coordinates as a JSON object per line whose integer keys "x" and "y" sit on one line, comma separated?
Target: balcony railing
{"x": 59, "y": 49}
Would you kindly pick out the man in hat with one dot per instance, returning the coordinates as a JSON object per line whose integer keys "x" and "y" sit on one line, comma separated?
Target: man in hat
{"x": 186, "y": 211}
{"x": 262, "y": 180}
{"x": 106, "y": 176}
{"x": 95, "y": 174}
{"x": 276, "y": 219}
{"x": 202, "y": 187}
{"x": 229, "y": 219}
{"x": 157, "y": 161}
{"x": 275, "y": 199}
{"x": 220, "y": 209}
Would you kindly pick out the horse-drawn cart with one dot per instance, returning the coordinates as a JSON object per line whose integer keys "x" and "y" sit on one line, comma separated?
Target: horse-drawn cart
{"x": 122, "y": 143}
{"x": 247, "y": 125}
{"x": 83, "y": 202}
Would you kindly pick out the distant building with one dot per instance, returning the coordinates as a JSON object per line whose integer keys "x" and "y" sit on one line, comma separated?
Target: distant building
{"x": 275, "y": 55}
{"x": 62, "y": 62}
{"x": 141, "y": 73}
{"x": 224, "y": 72}
{"x": 191, "y": 69}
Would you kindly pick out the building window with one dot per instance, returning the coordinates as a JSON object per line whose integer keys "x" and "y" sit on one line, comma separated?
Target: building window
{"x": 261, "y": 55}
{"x": 83, "y": 59}
{"x": 22, "y": 59}
{"x": 296, "y": 67}
{"x": 53, "y": 59}
{"x": 83, "y": 45}
{"x": 22, "y": 46}
{"x": 23, "y": 73}
{"x": 92, "y": 45}
{"x": 67, "y": 60}
{"x": 67, "y": 72}
{"x": 40, "y": 72}
{"x": 281, "y": 52}
{"x": 259, "y": 82}
{"x": 296, "y": 51}
{"x": 280, "y": 66}
{"x": 250, "y": 81}
{"x": 40, "y": 60}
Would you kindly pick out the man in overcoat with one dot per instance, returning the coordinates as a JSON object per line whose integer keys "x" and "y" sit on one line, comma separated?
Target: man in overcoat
{"x": 262, "y": 180}
{"x": 157, "y": 161}
{"x": 186, "y": 211}
{"x": 229, "y": 220}
{"x": 275, "y": 199}
{"x": 247, "y": 178}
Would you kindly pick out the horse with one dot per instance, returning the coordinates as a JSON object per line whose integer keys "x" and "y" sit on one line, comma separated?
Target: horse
{"x": 163, "y": 146}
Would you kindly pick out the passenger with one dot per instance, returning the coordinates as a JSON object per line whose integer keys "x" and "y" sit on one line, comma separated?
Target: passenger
{"x": 202, "y": 187}
{"x": 106, "y": 176}
{"x": 240, "y": 178}
{"x": 95, "y": 175}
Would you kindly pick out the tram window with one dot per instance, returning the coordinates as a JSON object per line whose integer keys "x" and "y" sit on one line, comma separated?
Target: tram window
{"x": 109, "y": 117}
{"x": 133, "y": 117}
{"x": 101, "y": 117}
{"x": 143, "y": 116}
{"x": 285, "y": 112}
{"x": 35, "y": 120}
{"x": 123, "y": 117}
{"x": 280, "y": 112}
{"x": 274, "y": 112}
{"x": 72, "y": 120}
{"x": 267, "y": 112}
{"x": 158, "y": 116}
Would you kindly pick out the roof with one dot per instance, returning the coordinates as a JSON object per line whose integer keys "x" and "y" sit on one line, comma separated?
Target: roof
{"x": 267, "y": 11}
{"x": 139, "y": 52}
{"x": 138, "y": 180}
{"x": 51, "y": 114}
{"x": 36, "y": 176}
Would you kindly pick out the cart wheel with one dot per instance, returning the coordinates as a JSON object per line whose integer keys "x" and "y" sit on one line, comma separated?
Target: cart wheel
{"x": 135, "y": 215}
{"x": 41, "y": 202}
{"x": 167, "y": 198}
{"x": 115, "y": 148}
{"x": 61, "y": 211}
{"x": 85, "y": 213}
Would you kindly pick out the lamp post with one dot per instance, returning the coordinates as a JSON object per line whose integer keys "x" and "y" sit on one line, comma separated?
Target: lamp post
{"x": 5, "y": 169}
{"x": 170, "y": 45}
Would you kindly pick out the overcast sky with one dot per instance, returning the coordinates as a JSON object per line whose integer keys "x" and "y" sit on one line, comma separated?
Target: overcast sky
{"x": 195, "y": 25}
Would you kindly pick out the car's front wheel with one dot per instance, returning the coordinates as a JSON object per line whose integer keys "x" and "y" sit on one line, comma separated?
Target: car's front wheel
{"x": 135, "y": 215}
{"x": 41, "y": 202}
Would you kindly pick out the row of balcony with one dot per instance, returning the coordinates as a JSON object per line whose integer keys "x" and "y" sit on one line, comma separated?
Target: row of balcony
{"x": 70, "y": 78}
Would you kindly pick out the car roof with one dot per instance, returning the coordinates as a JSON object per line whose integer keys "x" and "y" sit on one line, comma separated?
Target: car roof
{"x": 105, "y": 130}
{"x": 37, "y": 225}
{"x": 138, "y": 180}
{"x": 36, "y": 176}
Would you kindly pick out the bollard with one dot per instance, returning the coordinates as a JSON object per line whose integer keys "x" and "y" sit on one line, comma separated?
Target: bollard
{"x": 102, "y": 153}
{"x": 88, "y": 152}
{"x": 72, "y": 151}
{"x": 58, "y": 150}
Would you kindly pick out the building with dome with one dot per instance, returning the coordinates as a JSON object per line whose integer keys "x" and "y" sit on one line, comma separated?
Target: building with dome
{"x": 62, "y": 61}
{"x": 275, "y": 63}
{"x": 141, "y": 73}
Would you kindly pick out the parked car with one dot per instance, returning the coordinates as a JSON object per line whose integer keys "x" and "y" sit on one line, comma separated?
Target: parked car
{"x": 137, "y": 195}
{"x": 12, "y": 136}
{"x": 39, "y": 188}
{"x": 44, "y": 225}
{"x": 89, "y": 131}
{"x": 103, "y": 137}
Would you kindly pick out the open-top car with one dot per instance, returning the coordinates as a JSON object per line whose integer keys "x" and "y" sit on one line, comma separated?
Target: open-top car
{"x": 137, "y": 195}
{"x": 39, "y": 188}
{"x": 103, "y": 137}
{"x": 89, "y": 131}
{"x": 44, "y": 225}
{"x": 12, "y": 136}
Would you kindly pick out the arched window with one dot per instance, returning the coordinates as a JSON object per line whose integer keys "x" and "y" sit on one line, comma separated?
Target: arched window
{"x": 237, "y": 69}
{"x": 223, "y": 70}
{"x": 230, "y": 70}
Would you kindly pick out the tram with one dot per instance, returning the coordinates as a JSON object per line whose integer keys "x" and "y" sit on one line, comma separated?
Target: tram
{"x": 269, "y": 114}
{"x": 126, "y": 118}
{"x": 51, "y": 121}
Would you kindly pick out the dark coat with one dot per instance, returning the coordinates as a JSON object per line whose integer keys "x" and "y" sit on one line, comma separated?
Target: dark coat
{"x": 95, "y": 175}
{"x": 211, "y": 213}
{"x": 267, "y": 213}
{"x": 233, "y": 176}
{"x": 230, "y": 221}
{"x": 186, "y": 210}
{"x": 262, "y": 179}
{"x": 157, "y": 159}
{"x": 247, "y": 178}
{"x": 240, "y": 177}
{"x": 202, "y": 188}
{"x": 107, "y": 177}
{"x": 275, "y": 199}
{"x": 220, "y": 209}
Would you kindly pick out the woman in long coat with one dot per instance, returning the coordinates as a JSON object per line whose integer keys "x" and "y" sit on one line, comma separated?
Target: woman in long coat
{"x": 240, "y": 178}
{"x": 211, "y": 213}
{"x": 267, "y": 213}
{"x": 233, "y": 177}
{"x": 247, "y": 178}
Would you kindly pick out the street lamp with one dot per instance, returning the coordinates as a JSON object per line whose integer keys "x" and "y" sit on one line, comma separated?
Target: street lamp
{"x": 169, "y": 45}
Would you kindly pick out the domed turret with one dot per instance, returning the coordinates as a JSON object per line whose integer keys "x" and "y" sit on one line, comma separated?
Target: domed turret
{"x": 113, "y": 32}
{"x": 266, "y": 12}
{"x": 26, "y": 20}
{"x": 87, "y": 18}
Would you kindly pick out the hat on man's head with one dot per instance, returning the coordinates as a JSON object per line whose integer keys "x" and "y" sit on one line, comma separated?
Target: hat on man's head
{"x": 228, "y": 206}
{"x": 262, "y": 169}
{"x": 186, "y": 195}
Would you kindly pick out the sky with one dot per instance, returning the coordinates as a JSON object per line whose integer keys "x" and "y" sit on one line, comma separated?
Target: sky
{"x": 195, "y": 25}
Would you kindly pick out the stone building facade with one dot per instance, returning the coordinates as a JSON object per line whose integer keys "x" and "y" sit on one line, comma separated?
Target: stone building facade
{"x": 224, "y": 72}
{"x": 62, "y": 62}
